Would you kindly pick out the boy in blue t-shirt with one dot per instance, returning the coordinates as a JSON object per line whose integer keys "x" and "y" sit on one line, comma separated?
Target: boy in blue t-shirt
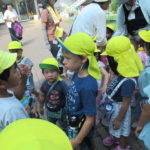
{"x": 78, "y": 51}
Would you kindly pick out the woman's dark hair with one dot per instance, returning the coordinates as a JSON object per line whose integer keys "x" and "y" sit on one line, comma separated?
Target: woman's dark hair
{"x": 5, "y": 75}
{"x": 7, "y": 4}
{"x": 113, "y": 64}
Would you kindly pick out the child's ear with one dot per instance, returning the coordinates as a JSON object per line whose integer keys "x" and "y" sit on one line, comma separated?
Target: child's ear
{"x": 2, "y": 84}
{"x": 84, "y": 58}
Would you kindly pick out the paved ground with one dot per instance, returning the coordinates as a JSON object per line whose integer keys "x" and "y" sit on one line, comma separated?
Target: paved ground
{"x": 34, "y": 49}
{"x": 33, "y": 44}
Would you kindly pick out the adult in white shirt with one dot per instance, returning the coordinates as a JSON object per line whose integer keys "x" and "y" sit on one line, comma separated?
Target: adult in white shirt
{"x": 133, "y": 16}
{"x": 10, "y": 16}
{"x": 92, "y": 20}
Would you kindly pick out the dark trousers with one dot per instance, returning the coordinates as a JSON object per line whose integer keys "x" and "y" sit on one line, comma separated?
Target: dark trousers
{"x": 12, "y": 34}
{"x": 54, "y": 48}
{"x": 87, "y": 144}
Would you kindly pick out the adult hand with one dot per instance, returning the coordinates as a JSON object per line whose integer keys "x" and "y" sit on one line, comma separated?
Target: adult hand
{"x": 12, "y": 20}
{"x": 74, "y": 143}
{"x": 138, "y": 130}
{"x": 116, "y": 124}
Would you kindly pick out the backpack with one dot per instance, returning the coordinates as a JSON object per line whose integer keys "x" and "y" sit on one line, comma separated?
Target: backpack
{"x": 18, "y": 30}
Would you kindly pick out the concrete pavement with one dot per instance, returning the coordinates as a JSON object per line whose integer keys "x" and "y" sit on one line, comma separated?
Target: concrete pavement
{"x": 33, "y": 45}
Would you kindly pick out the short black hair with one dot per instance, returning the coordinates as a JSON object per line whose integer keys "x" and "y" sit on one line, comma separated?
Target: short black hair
{"x": 7, "y": 4}
{"x": 86, "y": 65}
{"x": 145, "y": 44}
{"x": 109, "y": 31}
{"x": 113, "y": 64}
{"x": 5, "y": 75}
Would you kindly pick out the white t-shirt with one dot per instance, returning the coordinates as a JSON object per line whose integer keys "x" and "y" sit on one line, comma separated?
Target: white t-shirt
{"x": 92, "y": 20}
{"x": 10, "y": 15}
{"x": 11, "y": 110}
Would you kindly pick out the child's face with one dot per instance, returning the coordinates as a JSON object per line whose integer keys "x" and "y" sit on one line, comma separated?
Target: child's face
{"x": 109, "y": 33}
{"x": 14, "y": 77}
{"x": 19, "y": 53}
{"x": 72, "y": 62}
{"x": 50, "y": 75}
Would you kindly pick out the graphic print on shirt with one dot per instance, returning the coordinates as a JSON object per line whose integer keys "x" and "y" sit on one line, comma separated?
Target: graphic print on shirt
{"x": 72, "y": 97}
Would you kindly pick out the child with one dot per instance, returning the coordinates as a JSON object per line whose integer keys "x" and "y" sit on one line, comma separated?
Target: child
{"x": 126, "y": 65}
{"x": 144, "y": 85}
{"x": 53, "y": 91}
{"x": 10, "y": 108}
{"x": 78, "y": 51}
{"x": 102, "y": 85}
{"x": 110, "y": 31}
{"x": 28, "y": 100}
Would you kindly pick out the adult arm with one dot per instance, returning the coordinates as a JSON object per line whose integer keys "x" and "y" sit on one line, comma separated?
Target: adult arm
{"x": 121, "y": 27}
{"x": 44, "y": 20}
{"x": 100, "y": 25}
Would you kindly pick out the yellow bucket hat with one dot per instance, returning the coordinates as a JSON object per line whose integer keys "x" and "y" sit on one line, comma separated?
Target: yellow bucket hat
{"x": 112, "y": 27}
{"x": 82, "y": 44}
{"x": 145, "y": 35}
{"x": 129, "y": 63}
{"x": 14, "y": 45}
{"x": 33, "y": 134}
{"x": 6, "y": 60}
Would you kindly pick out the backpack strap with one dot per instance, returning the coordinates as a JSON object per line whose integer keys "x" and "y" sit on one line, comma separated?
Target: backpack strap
{"x": 51, "y": 87}
{"x": 117, "y": 87}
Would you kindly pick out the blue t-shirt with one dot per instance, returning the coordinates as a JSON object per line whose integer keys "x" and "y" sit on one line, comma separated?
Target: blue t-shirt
{"x": 126, "y": 89}
{"x": 81, "y": 99}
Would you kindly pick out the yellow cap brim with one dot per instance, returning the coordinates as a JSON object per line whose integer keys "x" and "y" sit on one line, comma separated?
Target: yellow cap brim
{"x": 104, "y": 53}
{"x": 64, "y": 47}
{"x": 97, "y": 51}
{"x": 145, "y": 35}
{"x": 7, "y": 60}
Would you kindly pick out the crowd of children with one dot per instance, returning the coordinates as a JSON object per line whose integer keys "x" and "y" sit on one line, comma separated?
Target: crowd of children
{"x": 100, "y": 92}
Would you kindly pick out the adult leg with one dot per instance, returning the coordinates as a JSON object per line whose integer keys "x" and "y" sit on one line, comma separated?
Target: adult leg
{"x": 12, "y": 34}
{"x": 54, "y": 48}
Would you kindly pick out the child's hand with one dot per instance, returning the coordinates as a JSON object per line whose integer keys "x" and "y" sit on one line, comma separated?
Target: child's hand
{"x": 103, "y": 89}
{"x": 24, "y": 71}
{"x": 116, "y": 124}
{"x": 138, "y": 130}
{"x": 41, "y": 110}
{"x": 74, "y": 143}
{"x": 27, "y": 108}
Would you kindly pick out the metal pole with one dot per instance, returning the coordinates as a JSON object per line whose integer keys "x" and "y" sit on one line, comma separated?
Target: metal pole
{"x": 36, "y": 7}
{"x": 27, "y": 8}
{"x": 18, "y": 10}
